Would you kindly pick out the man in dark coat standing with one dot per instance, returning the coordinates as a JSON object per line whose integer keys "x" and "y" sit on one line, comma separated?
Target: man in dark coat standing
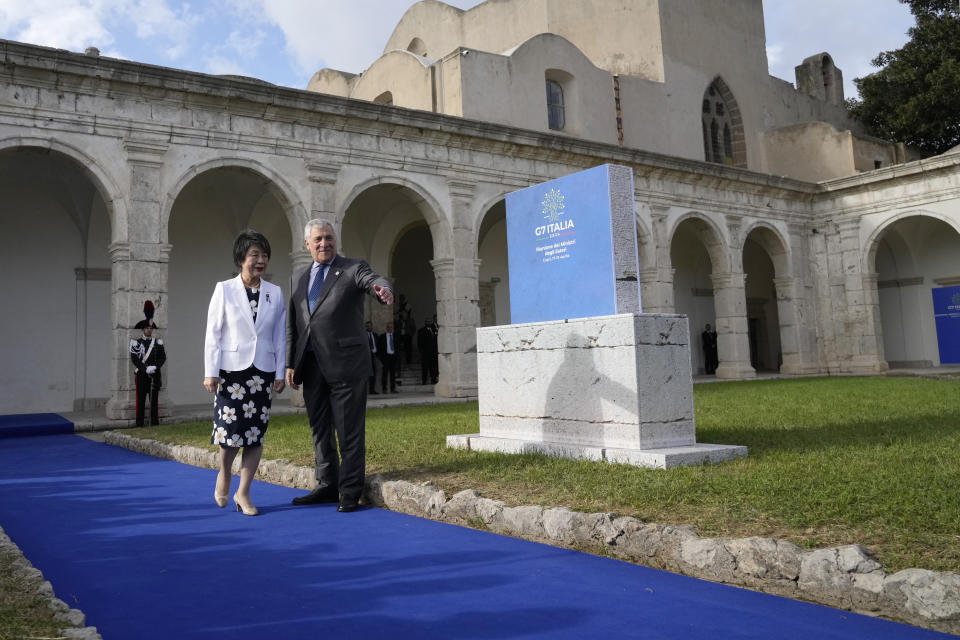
{"x": 427, "y": 346}
{"x": 387, "y": 352}
{"x": 327, "y": 351}
{"x": 710, "y": 359}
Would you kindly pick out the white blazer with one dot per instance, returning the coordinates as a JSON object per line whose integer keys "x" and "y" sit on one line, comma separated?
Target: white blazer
{"x": 234, "y": 342}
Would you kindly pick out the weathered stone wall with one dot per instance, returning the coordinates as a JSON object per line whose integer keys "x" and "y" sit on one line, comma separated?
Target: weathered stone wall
{"x": 140, "y": 135}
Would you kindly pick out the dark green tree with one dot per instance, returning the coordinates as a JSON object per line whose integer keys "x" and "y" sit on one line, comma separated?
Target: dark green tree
{"x": 915, "y": 96}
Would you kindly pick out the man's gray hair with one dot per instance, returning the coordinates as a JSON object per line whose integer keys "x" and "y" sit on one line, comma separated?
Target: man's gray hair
{"x": 318, "y": 222}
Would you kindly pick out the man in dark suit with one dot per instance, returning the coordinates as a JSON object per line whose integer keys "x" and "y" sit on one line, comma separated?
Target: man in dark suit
{"x": 327, "y": 351}
{"x": 710, "y": 360}
{"x": 387, "y": 351}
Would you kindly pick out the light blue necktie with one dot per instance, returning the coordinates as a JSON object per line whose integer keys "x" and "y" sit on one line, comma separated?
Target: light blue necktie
{"x": 314, "y": 292}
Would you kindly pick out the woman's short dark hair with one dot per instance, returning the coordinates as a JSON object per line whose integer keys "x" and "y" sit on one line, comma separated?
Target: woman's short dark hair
{"x": 249, "y": 238}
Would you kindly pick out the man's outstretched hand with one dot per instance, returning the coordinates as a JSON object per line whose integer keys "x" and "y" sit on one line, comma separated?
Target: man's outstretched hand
{"x": 384, "y": 293}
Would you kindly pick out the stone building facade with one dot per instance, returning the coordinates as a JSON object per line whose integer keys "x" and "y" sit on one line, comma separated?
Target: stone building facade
{"x": 123, "y": 182}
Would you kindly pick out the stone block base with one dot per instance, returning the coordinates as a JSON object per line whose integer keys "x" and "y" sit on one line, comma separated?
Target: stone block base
{"x": 663, "y": 458}
{"x": 615, "y": 388}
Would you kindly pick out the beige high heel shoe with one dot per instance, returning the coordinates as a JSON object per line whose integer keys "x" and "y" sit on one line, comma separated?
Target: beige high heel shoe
{"x": 220, "y": 498}
{"x": 244, "y": 509}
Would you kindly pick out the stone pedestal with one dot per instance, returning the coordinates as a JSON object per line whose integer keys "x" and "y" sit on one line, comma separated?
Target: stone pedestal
{"x": 615, "y": 388}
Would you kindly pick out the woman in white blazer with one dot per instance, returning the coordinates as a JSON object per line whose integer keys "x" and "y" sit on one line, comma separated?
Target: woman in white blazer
{"x": 244, "y": 358}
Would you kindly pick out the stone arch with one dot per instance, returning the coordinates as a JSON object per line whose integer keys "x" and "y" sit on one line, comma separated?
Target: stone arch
{"x": 427, "y": 204}
{"x": 490, "y": 242}
{"x": 105, "y": 184}
{"x": 768, "y": 314}
{"x": 204, "y": 207}
{"x": 398, "y": 225}
{"x": 873, "y": 240}
{"x": 275, "y": 183}
{"x": 911, "y": 259}
{"x": 712, "y": 237}
{"x": 646, "y": 244}
{"x": 775, "y": 244}
{"x": 62, "y": 264}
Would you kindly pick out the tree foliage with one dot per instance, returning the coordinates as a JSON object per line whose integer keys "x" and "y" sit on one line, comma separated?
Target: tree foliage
{"x": 915, "y": 96}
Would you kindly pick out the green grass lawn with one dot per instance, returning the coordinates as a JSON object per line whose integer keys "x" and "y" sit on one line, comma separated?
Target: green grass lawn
{"x": 874, "y": 461}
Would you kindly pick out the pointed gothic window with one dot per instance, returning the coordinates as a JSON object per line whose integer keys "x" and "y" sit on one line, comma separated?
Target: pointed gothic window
{"x": 722, "y": 126}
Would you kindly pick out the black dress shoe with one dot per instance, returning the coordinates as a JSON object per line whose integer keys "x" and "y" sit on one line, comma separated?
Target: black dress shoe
{"x": 346, "y": 506}
{"x": 317, "y": 496}
{"x": 373, "y": 392}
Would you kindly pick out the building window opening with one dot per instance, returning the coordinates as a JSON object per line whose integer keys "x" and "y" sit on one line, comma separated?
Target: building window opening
{"x": 555, "y": 110}
{"x": 721, "y": 126}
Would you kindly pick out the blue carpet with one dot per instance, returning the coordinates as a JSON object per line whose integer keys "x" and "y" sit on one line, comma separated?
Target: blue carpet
{"x": 33, "y": 424}
{"x": 137, "y": 543}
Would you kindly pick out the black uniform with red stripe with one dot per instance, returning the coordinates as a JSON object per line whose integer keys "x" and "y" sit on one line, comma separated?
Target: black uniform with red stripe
{"x": 146, "y": 352}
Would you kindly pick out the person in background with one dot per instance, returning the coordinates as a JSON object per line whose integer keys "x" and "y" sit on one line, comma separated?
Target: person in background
{"x": 710, "y": 359}
{"x": 372, "y": 343}
{"x": 244, "y": 359}
{"x": 148, "y": 355}
{"x": 387, "y": 350}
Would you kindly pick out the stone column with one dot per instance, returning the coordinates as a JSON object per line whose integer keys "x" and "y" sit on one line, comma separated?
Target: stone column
{"x": 139, "y": 272}
{"x": 458, "y": 316}
{"x": 656, "y": 284}
{"x": 862, "y": 344}
{"x": 457, "y": 274}
{"x": 730, "y": 306}
{"x": 656, "y": 290}
{"x": 871, "y": 345}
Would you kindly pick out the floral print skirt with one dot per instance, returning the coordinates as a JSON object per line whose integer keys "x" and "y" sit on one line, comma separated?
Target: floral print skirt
{"x": 241, "y": 409}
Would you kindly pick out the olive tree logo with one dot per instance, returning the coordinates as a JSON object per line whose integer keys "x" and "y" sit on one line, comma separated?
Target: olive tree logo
{"x": 552, "y": 205}
{"x": 956, "y": 299}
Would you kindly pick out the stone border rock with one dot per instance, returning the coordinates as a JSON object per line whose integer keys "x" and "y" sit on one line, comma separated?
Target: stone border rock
{"x": 33, "y": 577}
{"x": 842, "y": 577}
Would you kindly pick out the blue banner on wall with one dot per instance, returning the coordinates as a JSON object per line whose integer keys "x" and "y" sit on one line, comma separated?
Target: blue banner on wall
{"x": 946, "y": 311}
{"x": 560, "y": 249}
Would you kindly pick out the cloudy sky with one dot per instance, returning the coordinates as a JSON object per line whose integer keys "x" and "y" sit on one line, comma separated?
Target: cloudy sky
{"x": 286, "y": 41}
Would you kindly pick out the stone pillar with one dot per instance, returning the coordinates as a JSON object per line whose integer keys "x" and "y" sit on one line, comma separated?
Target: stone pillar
{"x": 789, "y": 329}
{"x": 862, "y": 344}
{"x": 656, "y": 285}
{"x": 730, "y": 306}
{"x": 458, "y": 296}
{"x": 139, "y": 272}
{"x": 656, "y": 290}
{"x": 871, "y": 347}
{"x": 458, "y": 316}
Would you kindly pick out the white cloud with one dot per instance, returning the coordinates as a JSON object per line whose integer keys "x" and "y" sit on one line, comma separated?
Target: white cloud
{"x": 55, "y": 23}
{"x": 774, "y": 54}
{"x": 220, "y": 65}
{"x": 347, "y": 34}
